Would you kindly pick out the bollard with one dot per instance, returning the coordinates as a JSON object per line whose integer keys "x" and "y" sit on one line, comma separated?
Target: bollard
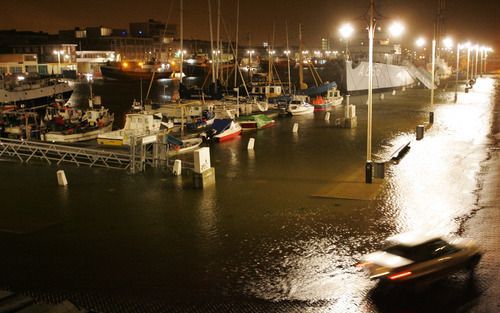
{"x": 201, "y": 160}
{"x": 431, "y": 117}
{"x": 420, "y": 132}
{"x": 379, "y": 169}
{"x": 251, "y": 144}
{"x": 177, "y": 170}
{"x": 327, "y": 116}
{"x": 382, "y": 96}
{"x": 403, "y": 89}
{"x": 368, "y": 172}
{"x": 394, "y": 92}
{"x": 61, "y": 178}
{"x": 295, "y": 127}
{"x": 466, "y": 89}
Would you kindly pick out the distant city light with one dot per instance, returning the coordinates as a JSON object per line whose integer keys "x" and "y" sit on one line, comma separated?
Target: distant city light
{"x": 448, "y": 42}
{"x": 420, "y": 42}
{"x": 346, "y": 30}
{"x": 396, "y": 29}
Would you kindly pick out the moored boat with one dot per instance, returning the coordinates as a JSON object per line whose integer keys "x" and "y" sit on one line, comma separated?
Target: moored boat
{"x": 223, "y": 130}
{"x": 299, "y": 106}
{"x": 94, "y": 121}
{"x": 180, "y": 146}
{"x": 136, "y": 125}
{"x": 254, "y": 122}
{"x": 32, "y": 90}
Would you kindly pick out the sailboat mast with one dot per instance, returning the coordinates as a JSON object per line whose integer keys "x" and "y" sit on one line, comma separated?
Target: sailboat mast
{"x": 211, "y": 40}
{"x": 301, "y": 74}
{"x": 236, "y": 65}
{"x": 288, "y": 58}
{"x": 218, "y": 38}
{"x": 182, "y": 39}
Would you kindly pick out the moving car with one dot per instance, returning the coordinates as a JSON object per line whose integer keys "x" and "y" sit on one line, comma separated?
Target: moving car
{"x": 411, "y": 257}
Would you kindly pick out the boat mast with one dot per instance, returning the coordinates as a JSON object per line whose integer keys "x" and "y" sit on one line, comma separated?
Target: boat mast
{"x": 182, "y": 40}
{"x": 288, "y": 59}
{"x": 218, "y": 39}
{"x": 211, "y": 40}
{"x": 301, "y": 75}
{"x": 236, "y": 65}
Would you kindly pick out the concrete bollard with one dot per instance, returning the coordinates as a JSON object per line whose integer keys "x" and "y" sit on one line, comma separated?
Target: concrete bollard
{"x": 295, "y": 127}
{"x": 61, "y": 178}
{"x": 177, "y": 170}
{"x": 420, "y": 132}
{"x": 327, "y": 116}
{"x": 431, "y": 117}
{"x": 394, "y": 92}
{"x": 382, "y": 96}
{"x": 251, "y": 144}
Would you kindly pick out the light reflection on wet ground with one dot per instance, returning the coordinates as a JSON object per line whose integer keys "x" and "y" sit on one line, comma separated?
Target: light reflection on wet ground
{"x": 258, "y": 234}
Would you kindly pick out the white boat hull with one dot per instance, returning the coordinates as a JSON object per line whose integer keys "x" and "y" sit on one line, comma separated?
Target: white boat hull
{"x": 77, "y": 137}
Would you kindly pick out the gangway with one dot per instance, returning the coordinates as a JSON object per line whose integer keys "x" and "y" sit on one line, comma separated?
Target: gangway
{"x": 28, "y": 151}
{"x": 422, "y": 75}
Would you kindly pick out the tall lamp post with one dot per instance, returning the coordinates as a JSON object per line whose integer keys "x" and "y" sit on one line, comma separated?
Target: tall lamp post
{"x": 346, "y": 31}
{"x": 467, "y": 45}
{"x": 457, "y": 70}
{"x": 395, "y": 29}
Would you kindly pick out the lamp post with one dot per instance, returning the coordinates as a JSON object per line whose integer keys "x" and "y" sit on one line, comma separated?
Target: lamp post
{"x": 475, "y": 65}
{"x": 396, "y": 29}
{"x": 346, "y": 31}
{"x": 457, "y": 70}
{"x": 468, "y": 60}
{"x": 58, "y": 53}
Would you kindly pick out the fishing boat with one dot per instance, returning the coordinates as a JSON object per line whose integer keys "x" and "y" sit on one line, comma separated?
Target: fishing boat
{"x": 32, "y": 89}
{"x": 136, "y": 125}
{"x": 223, "y": 130}
{"x": 332, "y": 98}
{"x": 299, "y": 106}
{"x": 94, "y": 121}
{"x": 178, "y": 146}
{"x": 254, "y": 122}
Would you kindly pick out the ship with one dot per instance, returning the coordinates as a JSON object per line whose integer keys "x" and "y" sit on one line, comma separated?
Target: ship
{"x": 32, "y": 90}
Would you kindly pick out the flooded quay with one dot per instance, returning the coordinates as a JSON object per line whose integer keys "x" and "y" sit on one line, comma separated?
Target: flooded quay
{"x": 258, "y": 241}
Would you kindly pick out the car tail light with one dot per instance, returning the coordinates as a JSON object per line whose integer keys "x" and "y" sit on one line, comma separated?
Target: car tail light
{"x": 399, "y": 275}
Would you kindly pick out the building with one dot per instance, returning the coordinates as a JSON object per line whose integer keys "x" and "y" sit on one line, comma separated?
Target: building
{"x": 18, "y": 63}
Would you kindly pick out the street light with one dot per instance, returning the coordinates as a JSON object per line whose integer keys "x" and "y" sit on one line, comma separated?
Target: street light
{"x": 58, "y": 53}
{"x": 346, "y": 31}
{"x": 396, "y": 29}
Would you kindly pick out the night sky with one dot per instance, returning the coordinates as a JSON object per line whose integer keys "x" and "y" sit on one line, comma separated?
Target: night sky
{"x": 474, "y": 20}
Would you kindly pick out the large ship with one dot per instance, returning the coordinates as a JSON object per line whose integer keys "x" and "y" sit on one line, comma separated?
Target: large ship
{"x": 135, "y": 71}
{"x": 32, "y": 90}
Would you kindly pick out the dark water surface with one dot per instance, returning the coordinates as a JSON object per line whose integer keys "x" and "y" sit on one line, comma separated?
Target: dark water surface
{"x": 258, "y": 234}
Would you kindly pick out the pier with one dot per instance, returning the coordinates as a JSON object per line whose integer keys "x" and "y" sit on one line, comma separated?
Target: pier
{"x": 144, "y": 151}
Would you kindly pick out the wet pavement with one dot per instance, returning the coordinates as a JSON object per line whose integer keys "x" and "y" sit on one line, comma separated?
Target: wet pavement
{"x": 258, "y": 241}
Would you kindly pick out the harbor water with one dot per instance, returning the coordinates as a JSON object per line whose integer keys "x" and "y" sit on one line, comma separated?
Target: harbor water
{"x": 111, "y": 239}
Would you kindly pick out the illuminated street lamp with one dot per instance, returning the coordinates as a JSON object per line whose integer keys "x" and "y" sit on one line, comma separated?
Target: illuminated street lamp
{"x": 58, "y": 53}
{"x": 346, "y": 31}
{"x": 396, "y": 29}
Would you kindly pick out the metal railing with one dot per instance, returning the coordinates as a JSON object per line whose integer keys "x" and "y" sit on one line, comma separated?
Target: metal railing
{"x": 30, "y": 151}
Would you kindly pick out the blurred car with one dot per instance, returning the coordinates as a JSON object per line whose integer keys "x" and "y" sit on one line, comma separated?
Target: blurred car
{"x": 411, "y": 257}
